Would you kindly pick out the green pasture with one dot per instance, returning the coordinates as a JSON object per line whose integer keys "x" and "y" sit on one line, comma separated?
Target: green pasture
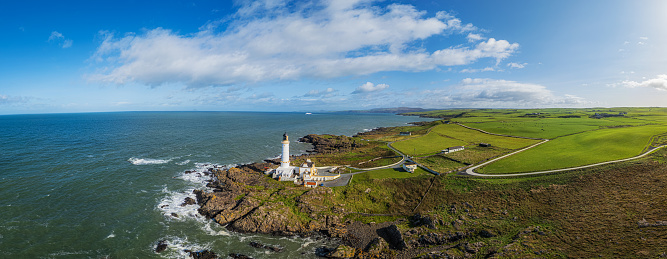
{"x": 428, "y": 144}
{"x": 476, "y": 137}
{"x": 440, "y": 163}
{"x": 579, "y": 149}
{"x": 449, "y": 135}
{"x": 652, "y": 119}
{"x": 392, "y": 173}
{"x": 552, "y": 127}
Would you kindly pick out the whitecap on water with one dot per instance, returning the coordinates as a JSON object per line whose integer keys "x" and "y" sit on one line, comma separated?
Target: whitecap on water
{"x": 176, "y": 247}
{"x": 214, "y": 229}
{"x": 147, "y": 161}
{"x": 184, "y": 162}
{"x": 171, "y": 207}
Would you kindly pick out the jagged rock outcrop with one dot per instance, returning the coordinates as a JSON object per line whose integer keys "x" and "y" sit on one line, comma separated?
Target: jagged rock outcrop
{"x": 161, "y": 246}
{"x": 327, "y": 144}
{"x": 423, "y": 220}
{"x": 393, "y": 236}
{"x": 246, "y": 200}
{"x": 342, "y": 251}
{"x": 188, "y": 201}
{"x": 273, "y": 218}
{"x": 267, "y": 247}
{"x": 205, "y": 254}
{"x": 376, "y": 247}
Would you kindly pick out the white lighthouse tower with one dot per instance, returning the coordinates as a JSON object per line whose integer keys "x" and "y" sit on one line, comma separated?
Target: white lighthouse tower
{"x": 284, "y": 161}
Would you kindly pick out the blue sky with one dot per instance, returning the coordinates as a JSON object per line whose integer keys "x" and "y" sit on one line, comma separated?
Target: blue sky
{"x": 275, "y": 55}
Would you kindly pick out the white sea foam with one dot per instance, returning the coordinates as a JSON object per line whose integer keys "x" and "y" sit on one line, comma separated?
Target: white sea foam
{"x": 176, "y": 247}
{"x": 171, "y": 207}
{"x": 147, "y": 161}
{"x": 184, "y": 162}
{"x": 214, "y": 229}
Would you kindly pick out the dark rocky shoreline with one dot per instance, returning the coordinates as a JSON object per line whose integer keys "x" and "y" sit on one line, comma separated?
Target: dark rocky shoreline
{"x": 250, "y": 210}
{"x": 245, "y": 200}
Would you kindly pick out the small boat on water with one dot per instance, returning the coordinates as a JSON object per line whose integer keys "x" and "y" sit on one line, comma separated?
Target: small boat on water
{"x": 308, "y": 113}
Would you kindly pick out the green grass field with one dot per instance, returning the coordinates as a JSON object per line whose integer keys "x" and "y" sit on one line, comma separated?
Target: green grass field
{"x": 577, "y": 138}
{"x": 551, "y": 127}
{"x": 393, "y": 173}
{"x": 440, "y": 163}
{"x": 579, "y": 149}
{"x": 448, "y": 135}
{"x": 428, "y": 144}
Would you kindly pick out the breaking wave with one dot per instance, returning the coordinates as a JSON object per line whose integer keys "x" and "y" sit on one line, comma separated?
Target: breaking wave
{"x": 147, "y": 161}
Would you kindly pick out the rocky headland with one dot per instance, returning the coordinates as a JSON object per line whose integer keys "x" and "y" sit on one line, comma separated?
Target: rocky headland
{"x": 446, "y": 216}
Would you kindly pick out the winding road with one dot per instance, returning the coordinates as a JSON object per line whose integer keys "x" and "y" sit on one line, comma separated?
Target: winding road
{"x": 471, "y": 170}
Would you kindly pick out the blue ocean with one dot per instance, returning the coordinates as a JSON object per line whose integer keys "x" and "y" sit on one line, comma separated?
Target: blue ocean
{"x": 96, "y": 185}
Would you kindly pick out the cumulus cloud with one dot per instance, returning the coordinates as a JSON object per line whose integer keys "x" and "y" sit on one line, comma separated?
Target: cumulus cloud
{"x": 270, "y": 40}
{"x": 482, "y": 92}
{"x": 369, "y": 87}
{"x": 472, "y": 37}
{"x": 517, "y": 65}
{"x": 659, "y": 83}
{"x": 60, "y": 39}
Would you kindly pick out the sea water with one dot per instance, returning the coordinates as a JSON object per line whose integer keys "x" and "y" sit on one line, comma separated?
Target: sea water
{"x": 97, "y": 185}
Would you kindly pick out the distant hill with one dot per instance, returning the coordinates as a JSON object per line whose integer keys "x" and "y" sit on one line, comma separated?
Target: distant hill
{"x": 396, "y": 110}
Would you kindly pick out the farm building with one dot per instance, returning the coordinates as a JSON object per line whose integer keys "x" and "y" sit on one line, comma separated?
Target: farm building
{"x": 410, "y": 167}
{"x": 405, "y": 133}
{"x": 484, "y": 144}
{"x": 453, "y": 149}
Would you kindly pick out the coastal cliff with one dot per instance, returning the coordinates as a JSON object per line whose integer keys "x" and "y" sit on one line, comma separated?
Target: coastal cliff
{"x": 245, "y": 200}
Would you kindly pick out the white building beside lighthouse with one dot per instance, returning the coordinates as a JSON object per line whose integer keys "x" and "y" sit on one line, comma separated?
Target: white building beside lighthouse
{"x": 306, "y": 174}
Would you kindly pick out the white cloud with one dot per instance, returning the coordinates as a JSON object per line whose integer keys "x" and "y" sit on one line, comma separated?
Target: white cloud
{"x": 8, "y": 100}
{"x": 67, "y": 43}
{"x": 56, "y": 36}
{"x": 269, "y": 40}
{"x": 517, "y": 65}
{"x": 491, "y": 93}
{"x": 660, "y": 83}
{"x": 472, "y": 37}
{"x": 329, "y": 92}
{"x": 369, "y": 87}
{"x": 471, "y": 70}
{"x": 60, "y": 39}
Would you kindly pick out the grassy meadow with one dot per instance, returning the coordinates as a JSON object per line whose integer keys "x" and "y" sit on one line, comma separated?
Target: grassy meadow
{"x": 579, "y": 149}
{"x": 448, "y": 135}
{"x": 577, "y": 137}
